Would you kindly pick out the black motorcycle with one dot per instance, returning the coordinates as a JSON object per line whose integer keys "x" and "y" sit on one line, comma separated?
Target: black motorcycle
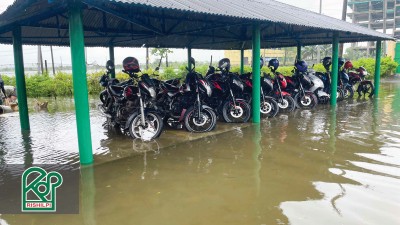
{"x": 226, "y": 89}
{"x": 130, "y": 107}
{"x": 184, "y": 104}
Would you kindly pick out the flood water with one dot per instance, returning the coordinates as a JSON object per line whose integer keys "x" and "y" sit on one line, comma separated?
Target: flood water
{"x": 309, "y": 167}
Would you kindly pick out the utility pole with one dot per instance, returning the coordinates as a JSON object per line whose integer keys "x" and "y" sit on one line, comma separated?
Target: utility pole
{"x": 40, "y": 60}
{"x": 52, "y": 60}
{"x": 344, "y": 13}
{"x": 318, "y": 46}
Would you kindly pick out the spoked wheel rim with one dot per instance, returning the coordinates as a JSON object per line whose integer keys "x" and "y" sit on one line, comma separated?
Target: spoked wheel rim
{"x": 149, "y": 129}
{"x": 201, "y": 123}
{"x": 265, "y": 108}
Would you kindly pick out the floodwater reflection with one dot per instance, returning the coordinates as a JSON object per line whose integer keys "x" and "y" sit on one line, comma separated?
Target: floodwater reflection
{"x": 322, "y": 166}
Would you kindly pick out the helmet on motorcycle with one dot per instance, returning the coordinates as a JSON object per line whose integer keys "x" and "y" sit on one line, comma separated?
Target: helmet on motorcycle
{"x": 340, "y": 62}
{"x": 327, "y": 62}
{"x": 131, "y": 64}
{"x": 224, "y": 64}
{"x": 301, "y": 66}
{"x": 273, "y": 64}
{"x": 348, "y": 65}
{"x": 110, "y": 65}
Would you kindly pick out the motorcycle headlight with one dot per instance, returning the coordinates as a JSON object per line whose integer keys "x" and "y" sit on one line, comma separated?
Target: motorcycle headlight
{"x": 152, "y": 92}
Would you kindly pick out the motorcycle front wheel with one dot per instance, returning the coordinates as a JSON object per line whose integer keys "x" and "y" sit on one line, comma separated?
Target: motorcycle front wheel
{"x": 348, "y": 92}
{"x": 236, "y": 114}
{"x": 269, "y": 107}
{"x": 287, "y": 104}
{"x": 151, "y": 129}
{"x": 204, "y": 122}
{"x": 306, "y": 101}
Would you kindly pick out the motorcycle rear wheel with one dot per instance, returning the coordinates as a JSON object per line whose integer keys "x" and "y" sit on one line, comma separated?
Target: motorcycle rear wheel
{"x": 364, "y": 89}
{"x": 348, "y": 92}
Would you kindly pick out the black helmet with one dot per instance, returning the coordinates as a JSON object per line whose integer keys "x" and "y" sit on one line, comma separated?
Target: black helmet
{"x": 341, "y": 62}
{"x": 301, "y": 66}
{"x": 327, "y": 62}
{"x": 224, "y": 64}
{"x": 273, "y": 64}
{"x": 131, "y": 64}
{"x": 110, "y": 65}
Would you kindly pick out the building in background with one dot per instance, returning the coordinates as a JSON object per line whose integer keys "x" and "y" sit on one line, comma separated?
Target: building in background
{"x": 380, "y": 15}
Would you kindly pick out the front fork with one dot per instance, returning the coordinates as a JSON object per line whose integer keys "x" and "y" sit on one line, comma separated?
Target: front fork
{"x": 143, "y": 121}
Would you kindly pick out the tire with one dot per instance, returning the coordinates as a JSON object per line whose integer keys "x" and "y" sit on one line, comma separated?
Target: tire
{"x": 288, "y": 104}
{"x": 269, "y": 107}
{"x": 240, "y": 114}
{"x": 306, "y": 101}
{"x": 153, "y": 127}
{"x": 340, "y": 95}
{"x": 348, "y": 92}
{"x": 192, "y": 125}
{"x": 366, "y": 88}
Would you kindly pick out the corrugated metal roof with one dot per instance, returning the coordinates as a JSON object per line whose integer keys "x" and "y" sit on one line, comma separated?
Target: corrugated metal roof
{"x": 214, "y": 24}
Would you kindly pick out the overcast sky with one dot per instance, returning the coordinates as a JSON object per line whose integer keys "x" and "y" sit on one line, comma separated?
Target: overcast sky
{"x": 99, "y": 55}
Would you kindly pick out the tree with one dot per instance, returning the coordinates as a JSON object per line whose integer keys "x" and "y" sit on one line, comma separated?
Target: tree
{"x": 162, "y": 52}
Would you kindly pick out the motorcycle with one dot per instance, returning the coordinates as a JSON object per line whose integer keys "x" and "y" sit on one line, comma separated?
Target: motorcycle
{"x": 130, "y": 106}
{"x": 184, "y": 104}
{"x": 268, "y": 106}
{"x": 317, "y": 87}
{"x": 299, "y": 85}
{"x": 226, "y": 87}
{"x": 358, "y": 76}
{"x": 326, "y": 79}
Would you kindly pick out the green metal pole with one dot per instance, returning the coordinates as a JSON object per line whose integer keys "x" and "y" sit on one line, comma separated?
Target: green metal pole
{"x": 189, "y": 56}
{"x": 335, "y": 69}
{"x": 20, "y": 79}
{"x": 397, "y": 57}
{"x": 241, "y": 61}
{"x": 377, "y": 78}
{"x": 80, "y": 83}
{"x": 256, "y": 74}
{"x": 111, "y": 49}
{"x": 298, "y": 51}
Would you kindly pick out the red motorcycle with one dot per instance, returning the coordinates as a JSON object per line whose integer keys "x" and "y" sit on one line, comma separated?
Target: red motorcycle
{"x": 358, "y": 76}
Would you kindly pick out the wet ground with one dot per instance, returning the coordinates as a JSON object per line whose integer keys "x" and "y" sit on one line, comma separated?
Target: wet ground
{"x": 309, "y": 167}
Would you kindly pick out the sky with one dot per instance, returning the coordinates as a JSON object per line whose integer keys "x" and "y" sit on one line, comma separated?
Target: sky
{"x": 99, "y": 56}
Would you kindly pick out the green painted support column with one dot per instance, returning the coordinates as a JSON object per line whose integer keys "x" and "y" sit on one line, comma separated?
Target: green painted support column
{"x": 189, "y": 56}
{"x": 111, "y": 49}
{"x": 397, "y": 57}
{"x": 335, "y": 69}
{"x": 298, "y": 51}
{"x": 241, "y": 61}
{"x": 377, "y": 78}
{"x": 20, "y": 79}
{"x": 256, "y": 74}
{"x": 80, "y": 83}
